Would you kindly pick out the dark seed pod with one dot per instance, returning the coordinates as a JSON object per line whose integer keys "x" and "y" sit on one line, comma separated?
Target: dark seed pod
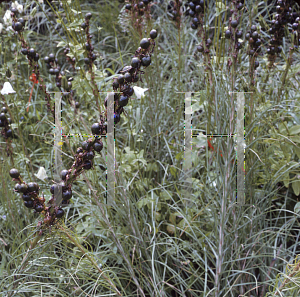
{"x": 26, "y": 197}
{"x": 31, "y": 53}
{"x": 63, "y": 174}
{"x": 146, "y": 61}
{"x": 60, "y": 213}
{"x": 191, "y": 13}
{"x": 39, "y": 208}
{"x": 14, "y": 173}
{"x": 85, "y": 145}
{"x": 53, "y": 188}
{"x": 14, "y": 10}
{"x": 98, "y": 146}
{"x": 32, "y": 187}
{"x": 87, "y": 165}
{"x": 227, "y": 34}
{"x": 24, "y": 51}
{"x": 194, "y": 26}
{"x": 90, "y": 155}
{"x": 128, "y": 6}
{"x": 195, "y": 20}
{"x": 153, "y": 34}
{"x": 17, "y": 188}
{"x": 135, "y": 62}
{"x": 145, "y": 43}
{"x": 123, "y": 101}
{"x": 51, "y": 57}
{"x": 234, "y": 23}
{"x": 239, "y": 34}
{"x": 36, "y": 57}
{"x": 66, "y": 195}
{"x": 18, "y": 26}
{"x": 117, "y": 118}
{"x": 192, "y": 6}
{"x": 83, "y": 25}
{"x": 87, "y": 46}
{"x": 255, "y": 35}
{"x": 22, "y": 21}
{"x": 198, "y": 8}
{"x": 121, "y": 79}
{"x": 96, "y": 129}
{"x": 29, "y": 204}
{"x": 88, "y": 16}
{"x": 200, "y": 48}
{"x": 9, "y": 133}
{"x": 115, "y": 84}
{"x": 128, "y": 77}
{"x": 130, "y": 91}
{"x": 23, "y": 188}
{"x": 63, "y": 186}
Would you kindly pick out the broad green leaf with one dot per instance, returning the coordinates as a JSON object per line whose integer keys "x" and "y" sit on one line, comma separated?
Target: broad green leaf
{"x": 294, "y": 130}
{"x": 297, "y": 207}
{"x": 61, "y": 44}
{"x": 296, "y": 187}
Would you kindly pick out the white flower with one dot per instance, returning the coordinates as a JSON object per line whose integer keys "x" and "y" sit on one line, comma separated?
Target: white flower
{"x": 139, "y": 92}
{"x": 7, "y": 89}
{"x": 18, "y": 6}
{"x": 42, "y": 174}
{"x": 7, "y": 18}
{"x": 1, "y": 27}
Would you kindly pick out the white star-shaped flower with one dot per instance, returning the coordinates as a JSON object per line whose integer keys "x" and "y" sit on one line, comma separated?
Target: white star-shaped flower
{"x": 7, "y": 89}
{"x": 139, "y": 92}
{"x": 7, "y": 18}
{"x": 18, "y": 6}
{"x": 42, "y": 174}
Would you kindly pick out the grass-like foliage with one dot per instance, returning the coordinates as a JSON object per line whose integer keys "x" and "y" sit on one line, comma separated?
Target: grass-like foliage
{"x": 174, "y": 229}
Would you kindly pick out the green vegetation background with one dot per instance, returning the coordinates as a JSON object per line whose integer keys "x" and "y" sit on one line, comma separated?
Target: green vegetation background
{"x": 160, "y": 239}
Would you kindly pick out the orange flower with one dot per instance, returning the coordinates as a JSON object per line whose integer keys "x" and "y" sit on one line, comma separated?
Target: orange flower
{"x": 35, "y": 81}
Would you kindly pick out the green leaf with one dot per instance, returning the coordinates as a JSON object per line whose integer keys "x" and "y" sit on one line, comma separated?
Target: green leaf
{"x": 61, "y": 44}
{"x": 142, "y": 202}
{"x": 286, "y": 179}
{"x": 296, "y": 188}
{"x": 294, "y": 130}
{"x": 173, "y": 171}
{"x": 297, "y": 207}
{"x": 33, "y": 12}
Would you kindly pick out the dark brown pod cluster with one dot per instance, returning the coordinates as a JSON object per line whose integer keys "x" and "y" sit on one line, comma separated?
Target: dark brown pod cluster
{"x": 173, "y": 9}
{"x": 5, "y": 122}
{"x": 83, "y": 161}
{"x": 72, "y": 61}
{"x": 195, "y": 9}
{"x": 130, "y": 74}
{"x": 91, "y": 56}
{"x": 137, "y": 10}
{"x": 254, "y": 40}
{"x": 32, "y": 199}
{"x": 282, "y": 18}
